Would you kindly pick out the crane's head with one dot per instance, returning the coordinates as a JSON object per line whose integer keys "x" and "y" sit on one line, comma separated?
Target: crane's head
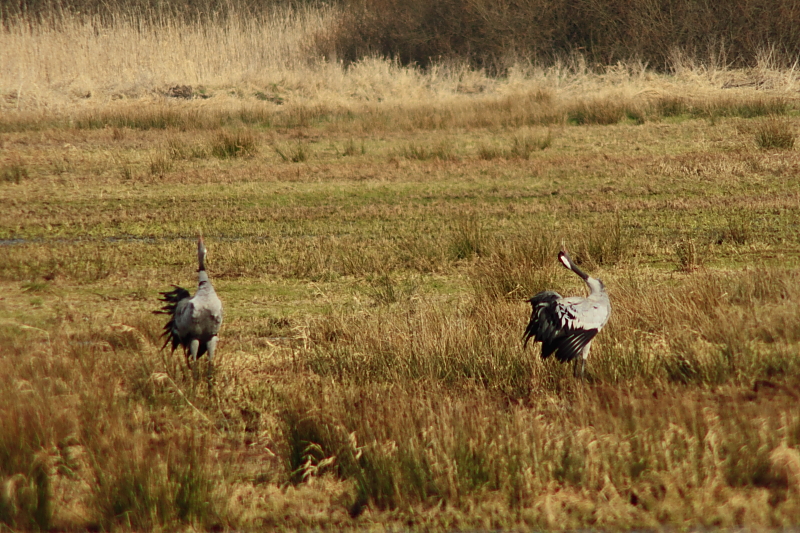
{"x": 566, "y": 260}
{"x": 201, "y": 254}
{"x": 594, "y": 284}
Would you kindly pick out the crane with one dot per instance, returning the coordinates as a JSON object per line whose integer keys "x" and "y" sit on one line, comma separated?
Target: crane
{"x": 567, "y": 326}
{"x": 194, "y": 321}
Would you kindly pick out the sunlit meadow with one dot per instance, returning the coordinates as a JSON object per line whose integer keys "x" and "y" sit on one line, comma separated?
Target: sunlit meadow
{"x": 374, "y": 231}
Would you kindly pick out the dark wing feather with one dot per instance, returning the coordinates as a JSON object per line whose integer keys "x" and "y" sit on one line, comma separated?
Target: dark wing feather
{"x": 541, "y": 304}
{"x": 571, "y": 345}
{"x": 553, "y": 324}
{"x": 172, "y": 299}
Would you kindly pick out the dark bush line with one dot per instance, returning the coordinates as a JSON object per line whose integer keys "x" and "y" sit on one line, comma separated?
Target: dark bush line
{"x": 493, "y": 34}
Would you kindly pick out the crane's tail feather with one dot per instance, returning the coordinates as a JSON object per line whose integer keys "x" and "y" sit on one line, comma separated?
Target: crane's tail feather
{"x": 530, "y": 333}
{"x": 172, "y": 299}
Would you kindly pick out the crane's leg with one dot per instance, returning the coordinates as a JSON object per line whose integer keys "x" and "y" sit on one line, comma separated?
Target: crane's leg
{"x": 583, "y": 358}
{"x": 212, "y": 347}
{"x": 194, "y": 347}
{"x": 579, "y": 367}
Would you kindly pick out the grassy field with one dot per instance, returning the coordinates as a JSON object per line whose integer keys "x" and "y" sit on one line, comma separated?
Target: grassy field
{"x": 374, "y": 233}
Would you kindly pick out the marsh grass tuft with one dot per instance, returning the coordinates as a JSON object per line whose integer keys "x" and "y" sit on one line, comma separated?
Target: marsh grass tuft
{"x": 739, "y": 230}
{"x": 126, "y": 173}
{"x": 688, "y": 258}
{"x": 517, "y": 267}
{"x": 13, "y": 172}
{"x": 435, "y": 447}
{"x": 295, "y": 153}
{"x": 526, "y": 142}
{"x": 671, "y": 106}
{"x": 160, "y": 164}
{"x": 352, "y": 148}
{"x": 118, "y": 134}
{"x": 603, "y": 111}
{"x": 385, "y": 290}
{"x": 36, "y": 286}
{"x": 523, "y": 144}
{"x": 443, "y": 150}
{"x": 227, "y": 145}
{"x": 741, "y": 107}
{"x": 774, "y": 133}
{"x": 467, "y": 237}
{"x": 601, "y": 242}
{"x": 487, "y": 152}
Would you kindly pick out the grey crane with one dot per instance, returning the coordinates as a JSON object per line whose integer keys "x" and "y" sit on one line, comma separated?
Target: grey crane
{"x": 194, "y": 321}
{"x": 567, "y": 326}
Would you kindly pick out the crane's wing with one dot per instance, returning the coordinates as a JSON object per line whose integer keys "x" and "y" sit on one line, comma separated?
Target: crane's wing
{"x": 178, "y": 301}
{"x": 564, "y": 326}
{"x": 539, "y": 303}
{"x": 571, "y": 345}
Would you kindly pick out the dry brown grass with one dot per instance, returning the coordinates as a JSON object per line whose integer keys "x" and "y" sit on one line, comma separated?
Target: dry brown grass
{"x": 263, "y": 70}
{"x": 374, "y": 264}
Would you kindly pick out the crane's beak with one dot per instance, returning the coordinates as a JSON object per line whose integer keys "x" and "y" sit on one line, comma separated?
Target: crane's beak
{"x": 564, "y": 257}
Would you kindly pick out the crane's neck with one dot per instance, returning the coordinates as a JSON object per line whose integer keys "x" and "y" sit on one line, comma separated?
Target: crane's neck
{"x": 201, "y": 254}
{"x": 201, "y": 260}
{"x": 596, "y": 287}
{"x": 584, "y": 276}
{"x": 204, "y": 286}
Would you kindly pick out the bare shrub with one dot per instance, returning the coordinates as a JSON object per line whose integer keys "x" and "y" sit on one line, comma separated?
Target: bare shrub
{"x": 419, "y": 32}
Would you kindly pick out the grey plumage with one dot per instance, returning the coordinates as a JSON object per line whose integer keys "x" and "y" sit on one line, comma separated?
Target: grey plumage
{"x": 194, "y": 321}
{"x": 567, "y": 326}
